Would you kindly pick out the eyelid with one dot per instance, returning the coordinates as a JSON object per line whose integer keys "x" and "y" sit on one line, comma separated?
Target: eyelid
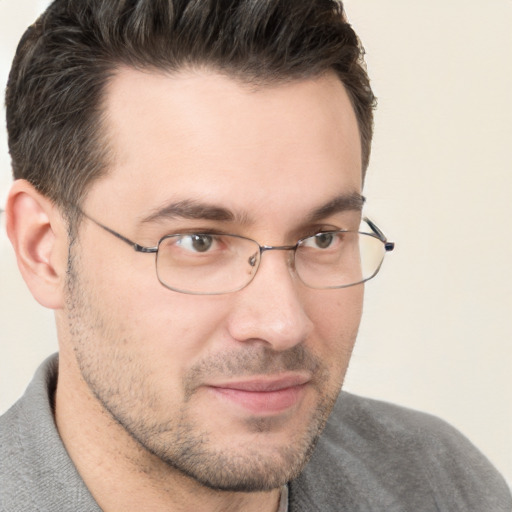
{"x": 343, "y": 221}
{"x": 195, "y": 231}
{"x": 317, "y": 230}
{"x": 300, "y": 235}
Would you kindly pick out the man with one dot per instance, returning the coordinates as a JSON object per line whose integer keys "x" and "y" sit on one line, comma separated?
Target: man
{"x": 188, "y": 199}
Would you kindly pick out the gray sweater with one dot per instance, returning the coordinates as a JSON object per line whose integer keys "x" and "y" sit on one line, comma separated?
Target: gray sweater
{"x": 371, "y": 457}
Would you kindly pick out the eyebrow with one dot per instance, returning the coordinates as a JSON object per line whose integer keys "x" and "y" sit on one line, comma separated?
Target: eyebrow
{"x": 344, "y": 202}
{"x": 191, "y": 209}
{"x": 196, "y": 210}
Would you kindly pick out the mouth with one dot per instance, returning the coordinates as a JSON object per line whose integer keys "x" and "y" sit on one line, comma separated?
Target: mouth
{"x": 263, "y": 396}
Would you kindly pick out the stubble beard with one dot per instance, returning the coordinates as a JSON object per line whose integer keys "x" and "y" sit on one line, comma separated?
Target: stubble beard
{"x": 118, "y": 383}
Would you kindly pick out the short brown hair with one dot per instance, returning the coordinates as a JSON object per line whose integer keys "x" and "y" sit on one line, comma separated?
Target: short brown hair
{"x": 64, "y": 61}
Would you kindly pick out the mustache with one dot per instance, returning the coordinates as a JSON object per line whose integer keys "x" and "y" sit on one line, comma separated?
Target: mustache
{"x": 253, "y": 360}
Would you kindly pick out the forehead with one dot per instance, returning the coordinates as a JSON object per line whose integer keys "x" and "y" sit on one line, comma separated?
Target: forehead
{"x": 199, "y": 135}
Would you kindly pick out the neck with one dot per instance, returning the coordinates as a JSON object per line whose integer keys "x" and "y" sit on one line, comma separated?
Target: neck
{"x": 119, "y": 473}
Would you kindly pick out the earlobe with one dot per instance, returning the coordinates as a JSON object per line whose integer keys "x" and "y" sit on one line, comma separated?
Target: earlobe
{"x": 38, "y": 234}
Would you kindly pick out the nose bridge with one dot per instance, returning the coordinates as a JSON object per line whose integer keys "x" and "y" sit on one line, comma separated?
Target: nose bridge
{"x": 271, "y": 308}
{"x": 264, "y": 248}
{"x": 291, "y": 248}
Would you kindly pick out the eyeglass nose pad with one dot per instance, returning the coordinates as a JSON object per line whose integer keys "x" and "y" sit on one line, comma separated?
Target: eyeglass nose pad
{"x": 291, "y": 261}
{"x": 253, "y": 259}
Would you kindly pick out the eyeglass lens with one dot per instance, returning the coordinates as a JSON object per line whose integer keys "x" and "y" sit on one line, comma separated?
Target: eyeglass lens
{"x": 217, "y": 263}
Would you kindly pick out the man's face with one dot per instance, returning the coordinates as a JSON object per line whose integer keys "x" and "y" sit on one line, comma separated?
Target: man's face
{"x": 230, "y": 389}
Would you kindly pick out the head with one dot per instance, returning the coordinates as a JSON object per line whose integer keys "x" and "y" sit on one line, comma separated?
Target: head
{"x": 157, "y": 117}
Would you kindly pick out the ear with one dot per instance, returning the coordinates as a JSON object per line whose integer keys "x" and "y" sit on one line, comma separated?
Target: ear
{"x": 38, "y": 233}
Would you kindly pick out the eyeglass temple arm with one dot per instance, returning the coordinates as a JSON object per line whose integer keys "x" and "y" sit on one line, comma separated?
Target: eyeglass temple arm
{"x": 137, "y": 247}
{"x": 389, "y": 246}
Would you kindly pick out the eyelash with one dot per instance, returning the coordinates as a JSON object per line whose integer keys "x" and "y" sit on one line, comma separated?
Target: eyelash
{"x": 203, "y": 231}
{"x": 322, "y": 229}
{"x": 313, "y": 230}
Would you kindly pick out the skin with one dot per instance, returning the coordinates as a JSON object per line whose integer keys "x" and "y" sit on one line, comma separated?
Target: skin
{"x": 148, "y": 402}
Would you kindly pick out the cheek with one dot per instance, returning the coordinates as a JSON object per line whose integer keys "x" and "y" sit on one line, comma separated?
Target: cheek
{"x": 336, "y": 315}
{"x": 169, "y": 330}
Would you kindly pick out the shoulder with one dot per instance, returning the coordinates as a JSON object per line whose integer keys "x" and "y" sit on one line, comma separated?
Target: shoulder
{"x": 374, "y": 455}
{"x": 36, "y": 472}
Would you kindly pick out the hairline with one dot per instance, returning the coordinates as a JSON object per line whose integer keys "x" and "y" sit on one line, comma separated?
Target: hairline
{"x": 252, "y": 82}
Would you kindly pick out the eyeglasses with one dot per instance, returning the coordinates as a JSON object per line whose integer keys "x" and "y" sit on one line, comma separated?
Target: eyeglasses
{"x": 216, "y": 263}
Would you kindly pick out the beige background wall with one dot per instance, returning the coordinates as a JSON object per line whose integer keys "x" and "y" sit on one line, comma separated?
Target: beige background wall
{"x": 437, "y": 332}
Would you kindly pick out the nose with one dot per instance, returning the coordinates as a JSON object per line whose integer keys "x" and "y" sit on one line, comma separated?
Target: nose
{"x": 271, "y": 309}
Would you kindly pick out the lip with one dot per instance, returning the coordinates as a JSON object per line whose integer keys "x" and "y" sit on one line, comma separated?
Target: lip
{"x": 263, "y": 396}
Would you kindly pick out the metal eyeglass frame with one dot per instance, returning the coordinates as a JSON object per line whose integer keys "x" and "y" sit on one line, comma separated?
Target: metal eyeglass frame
{"x": 376, "y": 232}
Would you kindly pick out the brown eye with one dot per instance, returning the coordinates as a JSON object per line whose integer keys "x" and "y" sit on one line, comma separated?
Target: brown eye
{"x": 201, "y": 243}
{"x": 196, "y": 243}
{"x": 323, "y": 240}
